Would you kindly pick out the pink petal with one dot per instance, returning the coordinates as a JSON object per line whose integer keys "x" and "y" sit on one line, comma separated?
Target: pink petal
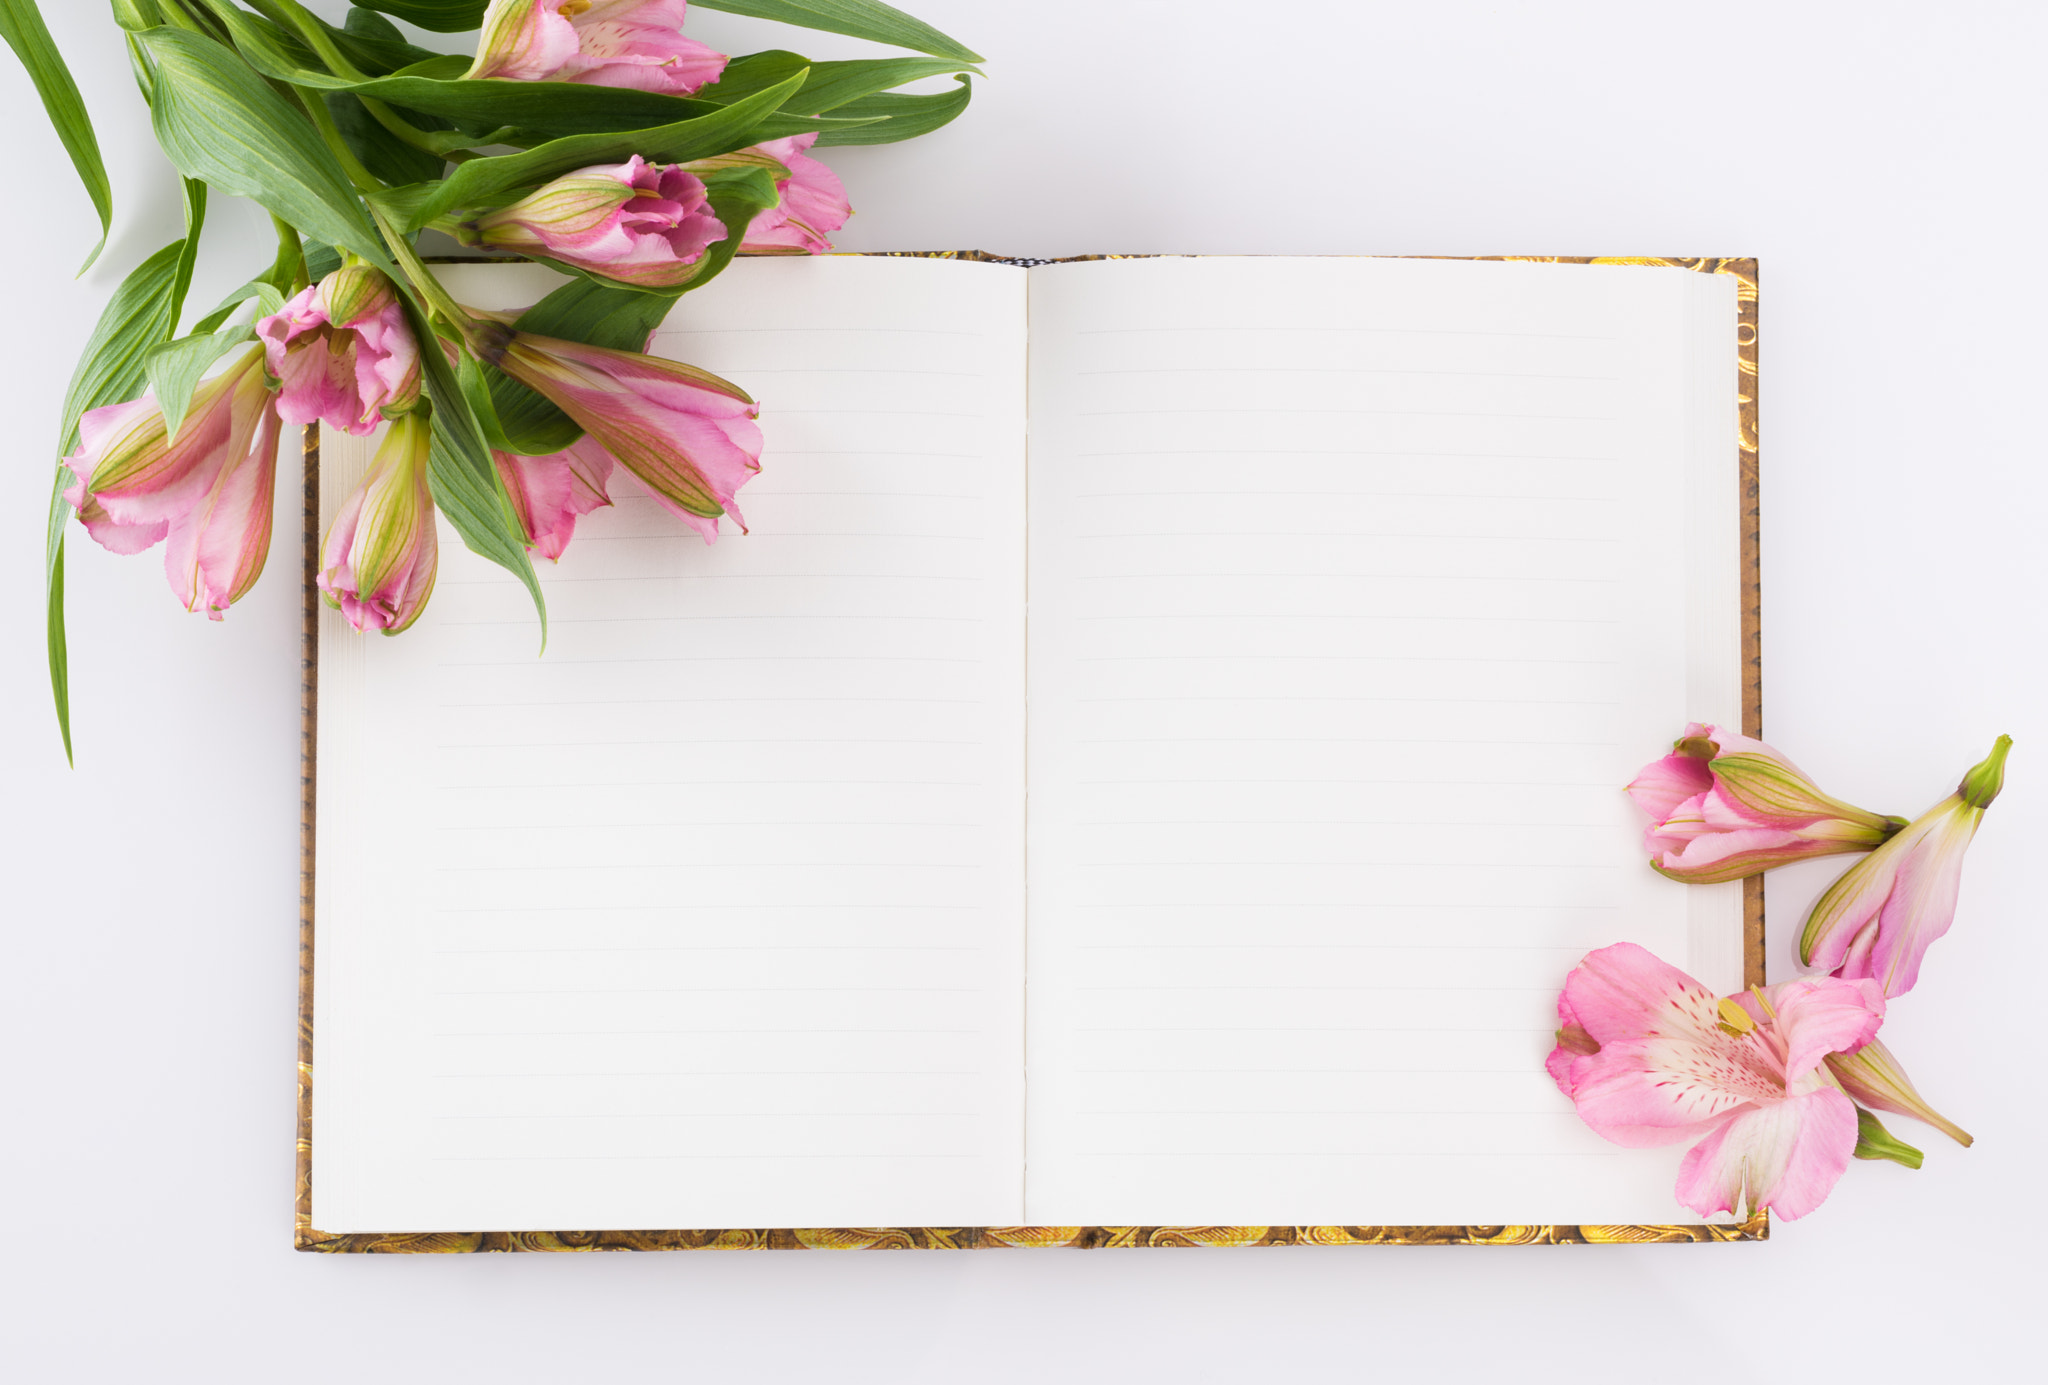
{"x": 1665, "y": 784}
{"x": 217, "y": 549}
{"x": 1785, "y": 1156}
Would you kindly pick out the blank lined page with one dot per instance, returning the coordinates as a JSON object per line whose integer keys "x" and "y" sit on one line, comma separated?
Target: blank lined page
{"x": 1359, "y": 588}
{"x": 712, "y": 915}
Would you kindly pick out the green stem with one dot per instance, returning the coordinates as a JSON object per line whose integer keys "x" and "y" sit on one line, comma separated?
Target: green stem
{"x": 295, "y": 16}
{"x": 423, "y": 281}
{"x": 405, "y": 129}
{"x": 176, "y": 16}
{"x": 316, "y": 111}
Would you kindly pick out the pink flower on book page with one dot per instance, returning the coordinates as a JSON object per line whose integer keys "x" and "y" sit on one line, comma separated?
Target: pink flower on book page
{"x": 1651, "y": 1057}
{"x": 607, "y": 43}
{"x": 683, "y": 433}
{"x": 645, "y": 224}
{"x": 1723, "y": 806}
{"x": 549, "y": 493}
{"x": 343, "y": 352}
{"x": 1880, "y": 918}
{"x": 378, "y": 562}
{"x": 813, "y": 202}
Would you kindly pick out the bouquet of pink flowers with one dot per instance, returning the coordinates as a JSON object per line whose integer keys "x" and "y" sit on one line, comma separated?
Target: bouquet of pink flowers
{"x": 591, "y": 135}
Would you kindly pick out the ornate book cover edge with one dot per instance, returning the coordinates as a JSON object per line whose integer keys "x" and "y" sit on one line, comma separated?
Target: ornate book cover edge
{"x": 307, "y": 1238}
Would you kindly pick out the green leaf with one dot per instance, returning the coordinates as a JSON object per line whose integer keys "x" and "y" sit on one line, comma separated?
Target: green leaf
{"x": 829, "y": 85}
{"x": 188, "y": 255}
{"x": 368, "y": 24}
{"x": 868, "y": 19}
{"x": 60, "y": 659}
{"x": 552, "y": 110}
{"x": 465, "y": 481}
{"x": 480, "y": 182}
{"x": 175, "y": 367}
{"x": 737, "y": 196}
{"x": 436, "y": 16}
{"x": 374, "y": 43}
{"x": 21, "y": 24}
{"x": 908, "y": 115}
{"x": 221, "y": 124}
{"x": 321, "y": 260}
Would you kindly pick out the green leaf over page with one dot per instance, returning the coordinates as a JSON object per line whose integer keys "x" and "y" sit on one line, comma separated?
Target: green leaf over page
{"x": 21, "y": 24}
{"x": 466, "y": 484}
{"x": 868, "y": 19}
{"x": 220, "y": 123}
{"x": 483, "y": 181}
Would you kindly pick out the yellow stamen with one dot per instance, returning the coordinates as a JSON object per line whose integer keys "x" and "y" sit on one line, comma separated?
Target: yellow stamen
{"x": 1734, "y": 1019}
{"x": 1757, "y": 991}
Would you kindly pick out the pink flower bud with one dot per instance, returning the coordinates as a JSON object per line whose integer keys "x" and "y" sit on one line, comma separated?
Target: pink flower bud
{"x": 642, "y": 223}
{"x": 343, "y": 352}
{"x": 377, "y": 565}
{"x": 1880, "y": 918}
{"x": 813, "y": 202}
{"x": 208, "y": 491}
{"x": 1723, "y": 806}
{"x": 608, "y": 43}
{"x": 683, "y": 433}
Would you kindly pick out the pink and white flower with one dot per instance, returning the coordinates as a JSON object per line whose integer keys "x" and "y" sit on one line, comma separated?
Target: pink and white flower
{"x": 1880, "y": 918}
{"x": 813, "y": 202}
{"x": 1651, "y": 1057}
{"x": 208, "y": 491}
{"x": 608, "y": 43}
{"x": 645, "y": 224}
{"x": 549, "y": 493}
{"x": 683, "y": 433}
{"x": 1723, "y": 806}
{"x": 378, "y": 562}
{"x": 343, "y": 352}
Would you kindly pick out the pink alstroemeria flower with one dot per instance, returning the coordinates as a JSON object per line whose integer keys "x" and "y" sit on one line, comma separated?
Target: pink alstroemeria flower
{"x": 1723, "y": 806}
{"x": 1651, "y": 1057}
{"x": 642, "y": 223}
{"x": 549, "y": 493}
{"x": 607, "y": 43}
{"x": 813, "y": 202}
{"x": 208, "y": 491}
{"x": 377, "y": 565}
{"x": 683, "y": 433}
{"x": 343, "y": 352}
{"x": 1879, "y": 919}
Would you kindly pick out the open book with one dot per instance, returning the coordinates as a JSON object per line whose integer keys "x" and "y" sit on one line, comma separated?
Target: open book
{"x": 1151, "y": 762}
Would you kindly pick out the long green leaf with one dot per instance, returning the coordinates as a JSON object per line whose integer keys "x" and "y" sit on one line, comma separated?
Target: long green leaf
{"x": 868, "y": 19}
{"x": 466, "y": 484}
{"x": 829, "y": 85}
{"x": 21, "y": 24}
{"x": 553, "y": 110}
{"x": 221, "y": 124}
{"x": 188, "y": 255}
{"x": 139, "y": 315}
{"x": 436, "y": 16}
{"x": 480, "y": 181}
{"x": 908, "y": 115}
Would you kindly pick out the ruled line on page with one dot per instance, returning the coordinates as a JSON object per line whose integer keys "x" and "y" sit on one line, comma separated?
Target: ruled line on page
{"x": 1352, "y": 331}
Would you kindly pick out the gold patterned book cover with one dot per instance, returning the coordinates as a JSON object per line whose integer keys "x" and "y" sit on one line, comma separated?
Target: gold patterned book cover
{"x": 1151, "y": 751}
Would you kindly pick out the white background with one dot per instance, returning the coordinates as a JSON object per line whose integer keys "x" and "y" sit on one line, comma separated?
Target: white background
{"x": 1882, "y": 160}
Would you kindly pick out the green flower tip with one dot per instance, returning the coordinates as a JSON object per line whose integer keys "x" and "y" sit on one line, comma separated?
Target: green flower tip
{"x": 1873, "y": 1141}
{"x": 1982, "y": 784}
